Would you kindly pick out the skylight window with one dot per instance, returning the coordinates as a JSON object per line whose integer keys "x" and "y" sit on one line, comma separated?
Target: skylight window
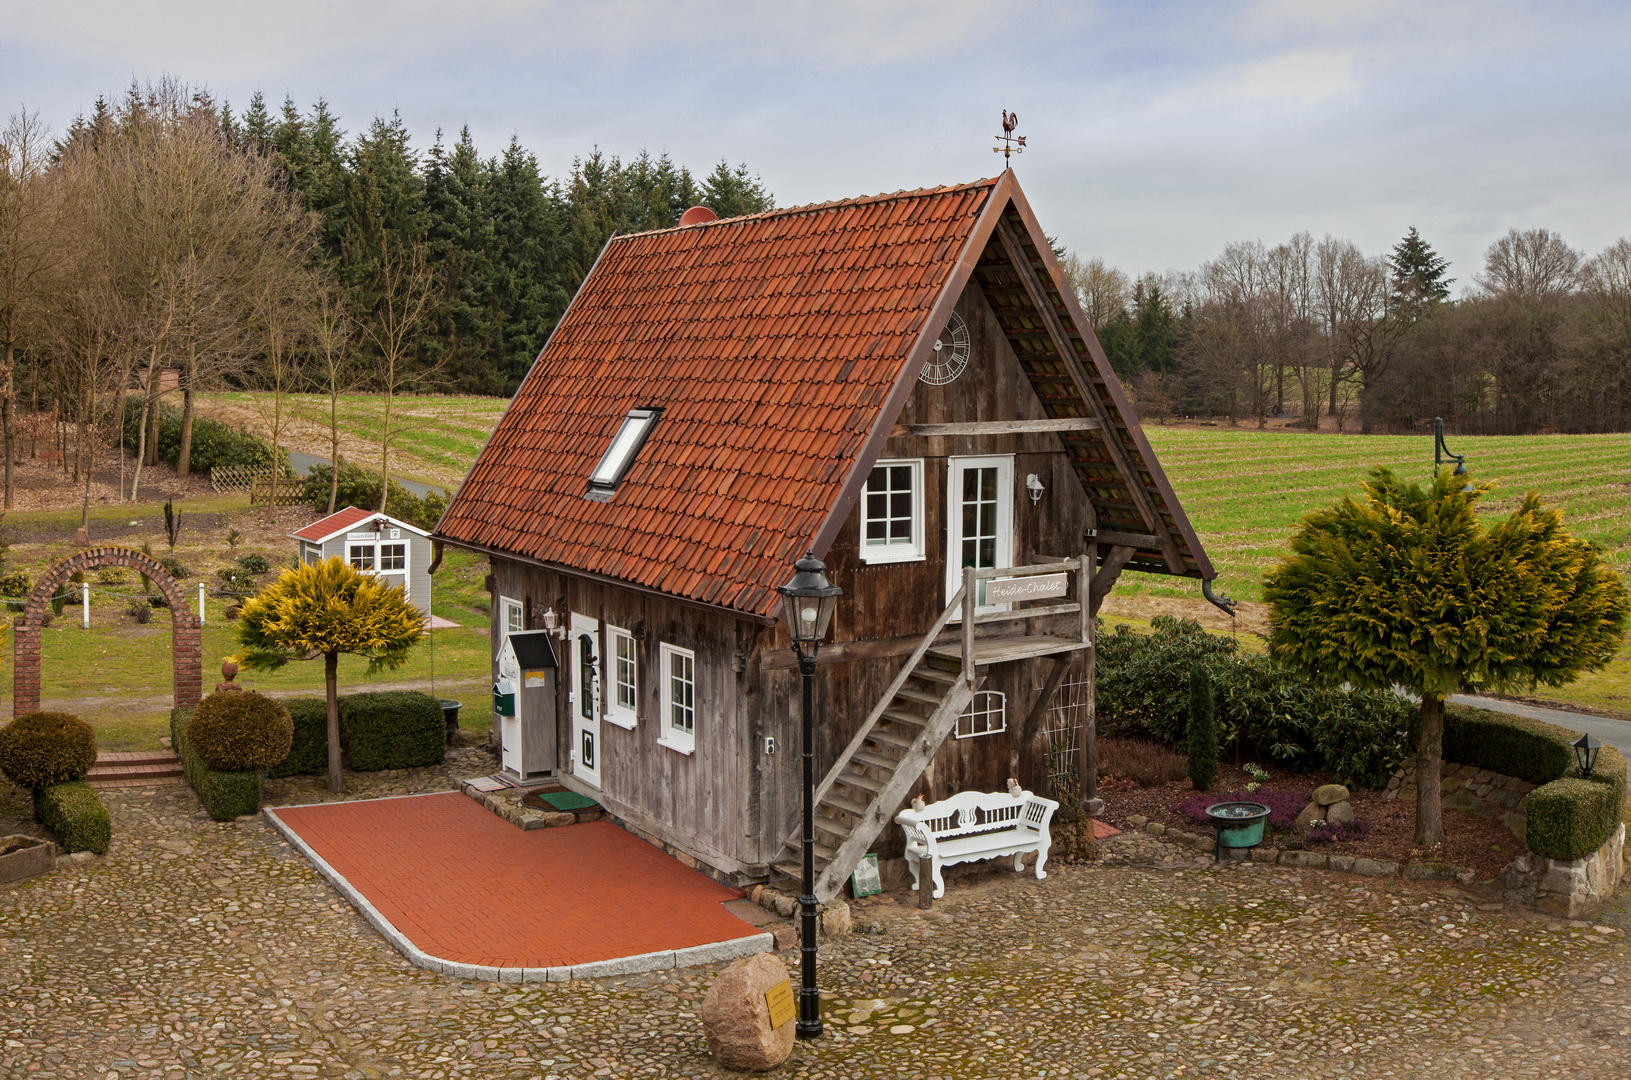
{"x": 619, "y": 457}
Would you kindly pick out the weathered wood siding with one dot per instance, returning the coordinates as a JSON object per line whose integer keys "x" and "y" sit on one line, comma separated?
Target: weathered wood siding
{"x": 700, "y": 803}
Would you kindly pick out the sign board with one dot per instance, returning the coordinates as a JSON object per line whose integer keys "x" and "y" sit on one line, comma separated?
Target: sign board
{"x": 362, "y": 536}
{"x": 866, "y": 880}
{"x": 779, "y": 1000}
{"x": 1014, "y": 589}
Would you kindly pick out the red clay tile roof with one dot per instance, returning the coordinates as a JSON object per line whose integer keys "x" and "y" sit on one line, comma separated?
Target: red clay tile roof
{"x": 323, "y": 528}
{"x": 770, "y": 342}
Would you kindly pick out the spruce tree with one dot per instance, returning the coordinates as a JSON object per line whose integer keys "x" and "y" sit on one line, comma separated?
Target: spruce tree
{"x": 1201, "y": 734}
{"x": 1418, "y": 275}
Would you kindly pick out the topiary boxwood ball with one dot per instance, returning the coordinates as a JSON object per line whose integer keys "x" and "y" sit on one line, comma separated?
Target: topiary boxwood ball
{"x": 39, "y": 749}
{"x": 240, "y": 731}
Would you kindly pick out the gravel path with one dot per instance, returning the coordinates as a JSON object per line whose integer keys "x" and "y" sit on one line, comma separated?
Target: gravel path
{"x": 198, "y": 949}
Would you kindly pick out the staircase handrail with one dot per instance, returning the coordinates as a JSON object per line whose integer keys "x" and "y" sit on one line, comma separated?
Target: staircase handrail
{"x": 889, "y": 695}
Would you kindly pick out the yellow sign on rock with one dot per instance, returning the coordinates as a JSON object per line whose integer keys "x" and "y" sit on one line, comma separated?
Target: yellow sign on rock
{"x": 779, "y": 999}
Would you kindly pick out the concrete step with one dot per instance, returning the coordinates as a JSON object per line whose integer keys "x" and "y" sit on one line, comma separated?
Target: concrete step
{"x": 134, "y": 768}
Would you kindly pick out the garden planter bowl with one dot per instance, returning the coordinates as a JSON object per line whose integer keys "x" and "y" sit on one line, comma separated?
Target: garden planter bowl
{"x": 24, "y": 857}
{"x": 1238, "y": 824}
{"x": 450, "y": 713}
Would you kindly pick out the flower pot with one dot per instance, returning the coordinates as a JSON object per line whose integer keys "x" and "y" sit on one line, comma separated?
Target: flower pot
{"x": 1238, "y": 824}
{"x": 24, "y": 857}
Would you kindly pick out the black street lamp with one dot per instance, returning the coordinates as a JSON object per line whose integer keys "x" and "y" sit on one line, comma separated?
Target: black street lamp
{"x": 808, "y": 602}
{"x": 1441, "y": 453}
{"x": 1586, "y": 750}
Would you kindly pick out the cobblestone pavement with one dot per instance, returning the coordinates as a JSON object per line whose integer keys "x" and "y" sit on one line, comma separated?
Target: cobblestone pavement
{"x": 198, "y": 949}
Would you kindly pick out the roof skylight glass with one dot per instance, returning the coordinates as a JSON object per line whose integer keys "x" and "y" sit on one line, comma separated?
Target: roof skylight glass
{"x": 619, "y": 456}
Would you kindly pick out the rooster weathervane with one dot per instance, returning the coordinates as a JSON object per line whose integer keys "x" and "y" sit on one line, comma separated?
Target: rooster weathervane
{"x": 1010, "y": 143}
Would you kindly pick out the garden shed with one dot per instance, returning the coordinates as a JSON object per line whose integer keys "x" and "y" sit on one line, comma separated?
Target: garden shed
{"x": 374, "y": 543}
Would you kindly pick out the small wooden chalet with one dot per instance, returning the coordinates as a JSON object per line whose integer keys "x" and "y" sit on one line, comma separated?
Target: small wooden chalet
{"x": 902, "y": 384}
{"x": 374, "y": 543}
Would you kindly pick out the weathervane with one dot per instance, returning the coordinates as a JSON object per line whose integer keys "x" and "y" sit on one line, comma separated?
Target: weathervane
{"x": 1011, "y": 143}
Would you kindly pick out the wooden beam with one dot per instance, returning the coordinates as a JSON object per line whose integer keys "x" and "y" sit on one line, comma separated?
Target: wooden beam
{"x": 842, "y": 652}
{"x": 999, "y": 427}
{"x": 1105, "y": 579}
{"x": 1127, "y": 539}
{"x": 1084, "y": 386}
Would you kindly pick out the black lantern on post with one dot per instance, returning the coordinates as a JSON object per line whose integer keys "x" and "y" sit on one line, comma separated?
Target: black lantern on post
{"x": 1586, "y": 750}
{"x": 809, "y": 600}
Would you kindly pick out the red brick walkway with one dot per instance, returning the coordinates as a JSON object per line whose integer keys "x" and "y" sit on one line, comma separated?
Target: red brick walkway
{"x": 464, "y": 885}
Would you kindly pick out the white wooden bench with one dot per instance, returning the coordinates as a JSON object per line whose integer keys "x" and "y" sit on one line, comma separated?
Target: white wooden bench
{"x": 975, "y": 825}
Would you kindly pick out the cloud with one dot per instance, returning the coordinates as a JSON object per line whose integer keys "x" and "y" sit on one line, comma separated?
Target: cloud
{"x": 1304, "y": 77}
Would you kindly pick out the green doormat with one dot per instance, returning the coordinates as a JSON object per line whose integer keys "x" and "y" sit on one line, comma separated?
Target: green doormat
{"x": 567, "y": 800}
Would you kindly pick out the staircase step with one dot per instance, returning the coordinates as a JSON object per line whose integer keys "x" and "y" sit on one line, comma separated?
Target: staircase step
{"x": 884, "y": 736}
{"x": 929, "y": 674}
{"x": 845, "y": 803}
{"x": 875, "y": 760}
{"x": 932, "y": 700}
{"x": 851, "y": 778}
{"x": 826, "y": 824}
{"x": 134, "y": 768}
{"x": 906, "y": 718}
{"x": 137, "y": 757}
{"x": 823, "y": 853}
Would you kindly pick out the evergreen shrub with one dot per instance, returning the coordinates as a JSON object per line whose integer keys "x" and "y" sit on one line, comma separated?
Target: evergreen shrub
{"x": 175, "y": 566}
{"x": 392, "y": 729}
{"x": 15, "y": 584}
{"x": 308, "y": 750}
{"x": 255, "y": 564}
{"x": 214, "y": 443}
{"x": 360, "y": 487}
{"x": 225, "y": 795}
{"x": 39, "y": 749}
{"x": 75, "y": 816}
{"x": 1262, "y": 706}
{"x": 1202, "y": 736}
{"x": 240, "y": 731}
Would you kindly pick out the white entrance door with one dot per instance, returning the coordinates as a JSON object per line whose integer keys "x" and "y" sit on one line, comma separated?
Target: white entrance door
{"x": 511, "y": 619}
{"x": 585, "y": 698}
{"x": 979, "y": 520}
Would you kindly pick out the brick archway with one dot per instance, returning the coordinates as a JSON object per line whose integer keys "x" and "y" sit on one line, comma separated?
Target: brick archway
{"x": 186, "y": 652}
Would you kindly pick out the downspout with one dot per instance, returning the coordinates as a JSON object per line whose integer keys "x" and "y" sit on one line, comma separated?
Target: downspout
{"x": 1217, "y": 600}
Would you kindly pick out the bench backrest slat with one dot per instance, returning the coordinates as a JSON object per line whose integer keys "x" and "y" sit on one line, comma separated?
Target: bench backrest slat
{"x": 970, "y": 813}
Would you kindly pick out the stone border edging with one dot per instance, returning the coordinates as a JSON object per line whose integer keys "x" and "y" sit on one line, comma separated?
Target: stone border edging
{"x": 662, "y": 960}
{"x": 1315, "y": 860}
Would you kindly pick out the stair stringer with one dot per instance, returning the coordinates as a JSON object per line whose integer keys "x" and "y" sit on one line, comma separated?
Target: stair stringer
{"x": 832, "y": 876}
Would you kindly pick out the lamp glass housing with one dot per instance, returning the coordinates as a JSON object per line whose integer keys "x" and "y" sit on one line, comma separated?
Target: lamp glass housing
{"x": 1586, "y": 750}
{"x": 808, "y": 602}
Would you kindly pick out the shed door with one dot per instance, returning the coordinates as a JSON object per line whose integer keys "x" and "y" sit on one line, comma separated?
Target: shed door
{"x": 979, "y": 521}
{"x": 585, "y": 698}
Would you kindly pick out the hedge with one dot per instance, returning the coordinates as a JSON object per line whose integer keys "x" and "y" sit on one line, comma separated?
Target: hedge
{"x": 75, "y": 816}
{"x": 225, "y": 795}
{"x": 1567, "y": 817}
{"x": 39, "y": 749}
{"x": 1263, "y": 707}
{"x": 392, "y": 729}
{"x": 308, "y": 753}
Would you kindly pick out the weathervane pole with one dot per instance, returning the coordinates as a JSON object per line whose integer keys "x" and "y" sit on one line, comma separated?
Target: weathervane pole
{"x": 1008, "y": 143}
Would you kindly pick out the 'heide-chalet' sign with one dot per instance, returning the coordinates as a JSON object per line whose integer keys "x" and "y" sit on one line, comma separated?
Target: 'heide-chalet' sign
{"x": 1038, "y": 587}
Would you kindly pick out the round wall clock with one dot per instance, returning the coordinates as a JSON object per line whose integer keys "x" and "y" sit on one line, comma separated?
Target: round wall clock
{"x": 950, "y": 353}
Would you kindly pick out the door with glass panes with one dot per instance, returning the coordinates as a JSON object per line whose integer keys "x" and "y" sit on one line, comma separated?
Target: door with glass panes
{"x": 979, "y": 521}
{"x": 585, "y": 698}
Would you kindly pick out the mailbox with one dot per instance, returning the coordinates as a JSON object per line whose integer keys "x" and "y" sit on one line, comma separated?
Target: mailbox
{"x": 504, "y": 697}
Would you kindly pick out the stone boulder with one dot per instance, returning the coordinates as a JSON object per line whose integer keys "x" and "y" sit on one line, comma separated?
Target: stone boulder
{"x": 1326, "y": 794}
{"x": 1340, "y": 812}
{"x": 736, "y": 1016}
{"x": 1311, "y": 813}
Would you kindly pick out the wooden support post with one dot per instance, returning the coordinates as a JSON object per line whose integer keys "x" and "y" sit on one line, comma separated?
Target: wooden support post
{"x": 968, "y": 624}
{"x": 1087, "y": 751}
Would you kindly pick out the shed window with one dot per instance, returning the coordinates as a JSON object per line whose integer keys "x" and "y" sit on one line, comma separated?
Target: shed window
{"x": 892, "y": 513}
{"x": 362, "y": 556}
{"x": 622, "y": 708}
{"x": 619, "y": 456}
{"x": 393, "y": 556}
{"x": 987, "y": 715}
{"x": 679, "y": 699}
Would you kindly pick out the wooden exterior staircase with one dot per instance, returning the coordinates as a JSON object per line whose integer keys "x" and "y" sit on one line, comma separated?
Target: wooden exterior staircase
{"x": 872, "y": 777}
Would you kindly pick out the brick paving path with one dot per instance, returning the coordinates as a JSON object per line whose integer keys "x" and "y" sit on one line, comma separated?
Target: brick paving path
{"x": 465, "y": 885}
{"x": 198, "y": 949}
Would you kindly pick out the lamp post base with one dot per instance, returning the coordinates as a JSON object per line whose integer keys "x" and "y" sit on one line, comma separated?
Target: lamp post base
{"x": 810, "y": 1030}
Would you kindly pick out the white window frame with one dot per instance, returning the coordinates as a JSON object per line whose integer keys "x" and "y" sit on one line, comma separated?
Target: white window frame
{"x": 624, "y": 716}
{"x": 677, "y": 739}
{"x": 896, "y": 553}
{"x": 977, "y": 718}
{"x": 502, "y": 624}
{"x": 371, "y": 546}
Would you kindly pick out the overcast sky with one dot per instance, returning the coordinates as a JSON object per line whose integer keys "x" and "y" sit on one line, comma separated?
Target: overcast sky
{"x": 1158, "y": 131}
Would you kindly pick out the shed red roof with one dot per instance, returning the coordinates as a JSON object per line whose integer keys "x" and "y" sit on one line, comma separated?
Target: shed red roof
{"x": 781, "y": 347}
{"x": 323, "y": 528}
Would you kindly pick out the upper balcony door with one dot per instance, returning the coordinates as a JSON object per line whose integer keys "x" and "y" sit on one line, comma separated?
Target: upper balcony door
{"x": 979, "y": 521}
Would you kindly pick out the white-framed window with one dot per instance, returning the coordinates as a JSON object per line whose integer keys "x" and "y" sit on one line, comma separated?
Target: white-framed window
{"x": 623, "y": 663}
{"x": 892, "y": 512}
{"x": 511, "y": 618}
{"x": 987, "y": 715}
{"x": 393, "y": 557}
{"x": 361, "y": 556}
{"x": 679, "y": 696}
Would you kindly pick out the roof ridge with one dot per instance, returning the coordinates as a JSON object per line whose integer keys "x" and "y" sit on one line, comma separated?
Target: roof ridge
{"x": 834, "y": 204}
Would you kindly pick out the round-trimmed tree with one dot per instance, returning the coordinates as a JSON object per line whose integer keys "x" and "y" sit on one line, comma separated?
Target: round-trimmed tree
{"x": 39, "y": 749}
{"x": 240, "y": 731}
{"x": 325, "y": 609}
{"x": 1405, "y": 586}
